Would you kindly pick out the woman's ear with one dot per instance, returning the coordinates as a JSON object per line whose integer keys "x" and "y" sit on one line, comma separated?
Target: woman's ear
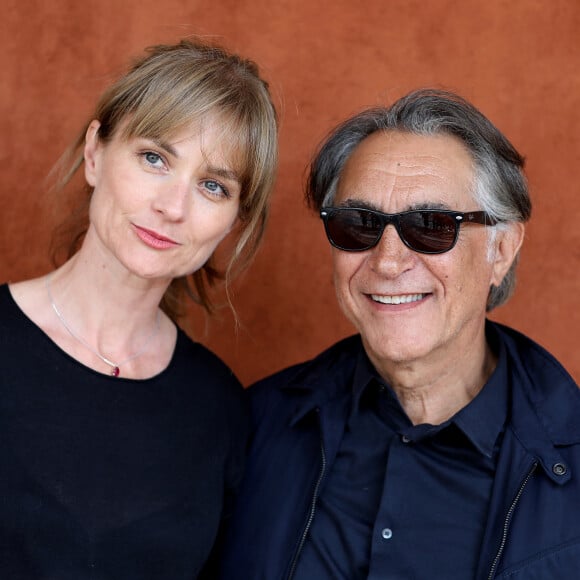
{"x": 507, "y": 245}
{"x": 91, "y": 152}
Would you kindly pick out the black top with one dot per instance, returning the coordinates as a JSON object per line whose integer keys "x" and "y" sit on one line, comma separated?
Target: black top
{"x": 397, "y": 492}
{"x": 111, "y": 478}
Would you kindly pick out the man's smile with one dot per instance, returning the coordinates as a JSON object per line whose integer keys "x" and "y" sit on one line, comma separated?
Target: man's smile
{"x": 398, "y": 298}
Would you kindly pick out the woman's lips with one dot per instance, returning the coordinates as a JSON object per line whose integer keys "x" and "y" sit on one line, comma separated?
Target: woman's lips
{"x": 154, "y": 239}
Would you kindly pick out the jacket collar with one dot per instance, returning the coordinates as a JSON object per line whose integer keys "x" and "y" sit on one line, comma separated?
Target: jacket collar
{"x": 325, "y": 378}
{"x": 545, "y": 403}
{"x": 542, "y": 386}
{"x": 545, "y": 398}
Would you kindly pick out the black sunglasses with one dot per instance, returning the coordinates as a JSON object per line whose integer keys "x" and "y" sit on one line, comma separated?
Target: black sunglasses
{"x": 428, "y": 231}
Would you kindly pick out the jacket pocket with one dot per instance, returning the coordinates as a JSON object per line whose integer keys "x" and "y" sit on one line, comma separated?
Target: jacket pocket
{"x": 562, "y": 563}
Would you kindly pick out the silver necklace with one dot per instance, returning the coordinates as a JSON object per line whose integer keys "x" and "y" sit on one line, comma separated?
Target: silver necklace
{"x": 115, "y": 367}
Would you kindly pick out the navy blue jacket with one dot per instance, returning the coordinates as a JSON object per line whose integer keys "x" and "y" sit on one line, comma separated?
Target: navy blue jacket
{"x": 533, "y": 528}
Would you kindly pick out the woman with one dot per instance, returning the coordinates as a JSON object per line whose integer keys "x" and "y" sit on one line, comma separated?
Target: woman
{"x": 123, "y": 440}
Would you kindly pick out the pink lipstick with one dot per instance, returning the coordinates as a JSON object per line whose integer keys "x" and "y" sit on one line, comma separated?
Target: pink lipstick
{"x": 153, "y": 239}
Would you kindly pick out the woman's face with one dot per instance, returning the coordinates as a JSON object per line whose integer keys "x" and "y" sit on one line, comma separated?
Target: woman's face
{"x": 160, "y": 208}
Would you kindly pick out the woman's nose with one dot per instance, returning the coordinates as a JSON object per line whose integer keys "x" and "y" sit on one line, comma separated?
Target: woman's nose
{"x": 173, "y": 200}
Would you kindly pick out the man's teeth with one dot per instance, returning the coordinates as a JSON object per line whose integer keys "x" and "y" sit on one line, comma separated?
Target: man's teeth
{"x": 399, "y": 299}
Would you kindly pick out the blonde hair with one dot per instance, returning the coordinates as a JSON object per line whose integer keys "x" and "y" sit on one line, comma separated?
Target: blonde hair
{"x": 162, "y": 93}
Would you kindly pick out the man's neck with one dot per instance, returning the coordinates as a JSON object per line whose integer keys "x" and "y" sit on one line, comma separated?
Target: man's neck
{"x": 432, "y": 392}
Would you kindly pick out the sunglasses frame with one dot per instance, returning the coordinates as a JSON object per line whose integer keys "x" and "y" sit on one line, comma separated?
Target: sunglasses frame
{"x": 470, "y": 217}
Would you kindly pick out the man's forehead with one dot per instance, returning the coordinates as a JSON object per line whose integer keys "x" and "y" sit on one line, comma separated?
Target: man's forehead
{"x": 409, "y": 164}
{"x": 409, "y": 151}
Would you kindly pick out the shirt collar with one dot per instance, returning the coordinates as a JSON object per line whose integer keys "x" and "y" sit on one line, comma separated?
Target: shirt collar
{"x": 482, "y": 420}
{"x": 365, "y": 375}
{"x": 368, "y": 384}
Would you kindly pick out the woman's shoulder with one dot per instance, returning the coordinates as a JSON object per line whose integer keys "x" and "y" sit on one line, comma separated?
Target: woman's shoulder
{"x": 9, "y": 310}
{"x": 5, "y": 296}
{"x": 27, "y": 298}
{"x": 199, "y": 362}
{"x": 203, "y": 379}
{"x": 17, "y": 302}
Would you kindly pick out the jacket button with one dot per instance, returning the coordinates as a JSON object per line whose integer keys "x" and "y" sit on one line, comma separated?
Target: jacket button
{"x": 559, "y": 469}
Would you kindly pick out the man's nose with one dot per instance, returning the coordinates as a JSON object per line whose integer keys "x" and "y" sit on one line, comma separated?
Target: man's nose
{"x": 391, "y": 257}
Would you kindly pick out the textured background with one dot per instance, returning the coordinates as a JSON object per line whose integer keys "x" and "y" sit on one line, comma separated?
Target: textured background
{"x": 517, "y": 60}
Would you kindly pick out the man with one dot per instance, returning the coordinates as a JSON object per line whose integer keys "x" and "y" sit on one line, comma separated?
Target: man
{"x": 434, "y": 444}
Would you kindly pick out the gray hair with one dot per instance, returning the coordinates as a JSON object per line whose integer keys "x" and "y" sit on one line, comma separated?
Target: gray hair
{"x": 500, "y": 187}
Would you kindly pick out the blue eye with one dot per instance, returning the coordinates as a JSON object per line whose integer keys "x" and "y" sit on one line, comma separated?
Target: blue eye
{"x": 215, "y": 188}
{"x": 153, "y": 159}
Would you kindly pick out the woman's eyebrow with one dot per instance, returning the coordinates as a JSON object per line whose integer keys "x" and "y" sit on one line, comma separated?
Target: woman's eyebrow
{"x": 224, "y": 172}
{"x": 161, "y": 144}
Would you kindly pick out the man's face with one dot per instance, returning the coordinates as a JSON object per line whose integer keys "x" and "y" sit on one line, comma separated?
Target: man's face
{"x": 410, "y": 306}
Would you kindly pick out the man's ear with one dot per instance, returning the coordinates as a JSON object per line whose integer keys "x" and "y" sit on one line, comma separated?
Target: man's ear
{"x": 507, "y": 244}
{"x": 91, "y": 152}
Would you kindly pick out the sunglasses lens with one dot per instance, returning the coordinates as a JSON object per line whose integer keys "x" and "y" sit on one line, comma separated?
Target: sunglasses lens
{"x": 430, "y": 232}
{"x": 353, "y": 229}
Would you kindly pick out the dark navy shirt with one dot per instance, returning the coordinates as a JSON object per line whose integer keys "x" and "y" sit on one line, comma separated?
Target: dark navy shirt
{"x": 402, "y": 501}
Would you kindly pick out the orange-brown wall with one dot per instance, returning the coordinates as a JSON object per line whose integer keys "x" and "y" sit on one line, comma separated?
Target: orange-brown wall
{"x": 517, "y": 60}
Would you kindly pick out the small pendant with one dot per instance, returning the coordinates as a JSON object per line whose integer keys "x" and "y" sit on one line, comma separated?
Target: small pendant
{"x": 115, "y": 372}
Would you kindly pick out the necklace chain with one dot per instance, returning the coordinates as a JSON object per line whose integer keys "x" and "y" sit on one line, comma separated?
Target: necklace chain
{"x": 114, "y": 366}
